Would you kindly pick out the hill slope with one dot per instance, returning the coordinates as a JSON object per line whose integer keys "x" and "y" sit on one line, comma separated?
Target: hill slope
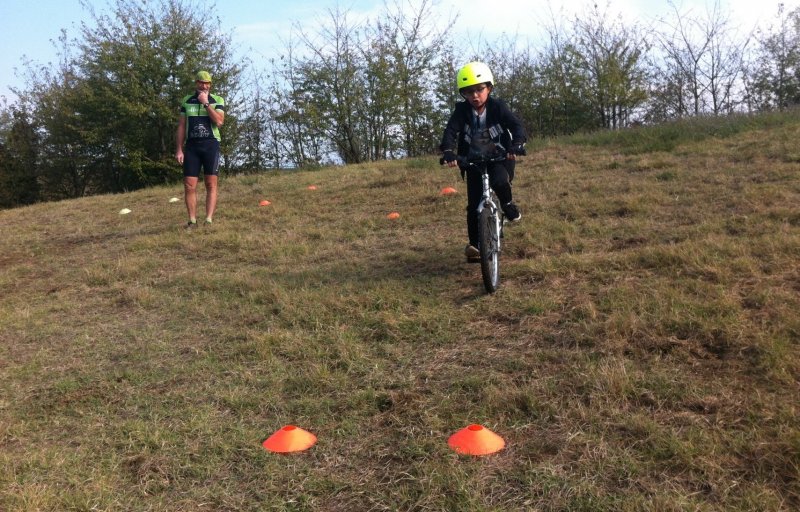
{"x": 641, "y": 353}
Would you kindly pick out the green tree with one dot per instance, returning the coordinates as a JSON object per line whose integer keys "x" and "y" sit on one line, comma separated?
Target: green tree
{"x": 368, "y": 88}
{"x": 329, "y": 86}
{"x": 19, "y": 152}
{"x": 561, "y": 101}
{"x": 109, "y": 112}
{"x": 254, "y": 141}
{"x": 381, "y": 105}
{"x": 774, "y": 83}
{"x": 701, "y": 64}
{"x": 137, "y": 63}
{"x": 299, "y": 136}
{"x": 610, "y": 53}
{"x": 417, "y": 48}
{"x": 51, "y": 97}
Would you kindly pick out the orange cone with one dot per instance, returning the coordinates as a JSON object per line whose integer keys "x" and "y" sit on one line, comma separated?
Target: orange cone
{"x": 446, "y": 191}
{"x": 264, "y": 203}
{"x": 312, "y": 187}
{"x": 476, "y": 440}
{"x": 290, "y": 439}
{"x": 393, "y": 216}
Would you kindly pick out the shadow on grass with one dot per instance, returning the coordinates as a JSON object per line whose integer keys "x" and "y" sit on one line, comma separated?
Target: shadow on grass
{"x": 424, "y": 269}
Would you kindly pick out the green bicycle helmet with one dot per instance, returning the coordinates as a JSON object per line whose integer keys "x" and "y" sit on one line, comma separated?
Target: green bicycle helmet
{"x": 472, "y": 74}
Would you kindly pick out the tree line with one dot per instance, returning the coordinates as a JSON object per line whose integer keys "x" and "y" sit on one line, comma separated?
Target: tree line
{"x": 102, "y": 119}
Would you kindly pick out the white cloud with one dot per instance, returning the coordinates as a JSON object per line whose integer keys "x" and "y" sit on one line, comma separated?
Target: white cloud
{"x": 270, "y": 38}
{"x": 490, "y": 18}
{"x": 484, "y": 21}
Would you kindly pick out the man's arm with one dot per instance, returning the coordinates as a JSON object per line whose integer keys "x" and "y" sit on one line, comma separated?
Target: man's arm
{"x": 216, "y": 116}
{"x": 180, "y": 135}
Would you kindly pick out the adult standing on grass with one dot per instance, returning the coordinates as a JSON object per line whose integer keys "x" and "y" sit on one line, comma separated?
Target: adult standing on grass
{"x": 197, "y": 145}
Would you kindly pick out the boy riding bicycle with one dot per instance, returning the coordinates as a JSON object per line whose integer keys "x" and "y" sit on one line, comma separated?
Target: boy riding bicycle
{"x": 483, "y": 126}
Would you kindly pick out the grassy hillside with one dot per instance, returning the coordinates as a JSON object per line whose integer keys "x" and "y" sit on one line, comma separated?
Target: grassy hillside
{"x": 641, "y": 354}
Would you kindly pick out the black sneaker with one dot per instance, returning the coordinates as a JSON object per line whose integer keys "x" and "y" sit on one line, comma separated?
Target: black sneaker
{"x": 512, "y": 212}
{"x": 191, "y": 225}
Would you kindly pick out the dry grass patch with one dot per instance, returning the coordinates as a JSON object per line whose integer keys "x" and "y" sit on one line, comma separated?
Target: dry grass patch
{"x": 640, "y": 354}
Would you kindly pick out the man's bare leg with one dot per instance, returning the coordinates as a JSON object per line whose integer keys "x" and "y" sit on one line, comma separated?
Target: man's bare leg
{"x": 190, "y": 197}
{"x": 211, "y": 196}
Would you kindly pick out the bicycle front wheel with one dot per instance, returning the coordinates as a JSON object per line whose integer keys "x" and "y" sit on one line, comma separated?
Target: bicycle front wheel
{"x": 490, "y": 249}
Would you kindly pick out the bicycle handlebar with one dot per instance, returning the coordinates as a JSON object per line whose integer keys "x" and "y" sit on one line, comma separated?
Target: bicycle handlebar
{"x": 475, "y": 162}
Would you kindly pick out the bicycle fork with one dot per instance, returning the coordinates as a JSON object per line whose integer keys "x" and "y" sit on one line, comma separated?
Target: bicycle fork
{"x": 488, "y": 202}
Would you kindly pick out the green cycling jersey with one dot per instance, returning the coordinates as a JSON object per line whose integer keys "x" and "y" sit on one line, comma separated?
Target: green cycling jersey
{"x": 198, "y": 123}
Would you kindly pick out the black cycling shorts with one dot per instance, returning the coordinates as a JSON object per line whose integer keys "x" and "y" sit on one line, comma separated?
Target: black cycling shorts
{"x": 201, "y": 153}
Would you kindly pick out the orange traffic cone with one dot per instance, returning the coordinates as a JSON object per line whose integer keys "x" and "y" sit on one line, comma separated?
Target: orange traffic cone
{"x": 290, "y": 439}
{"x": 476, "y": 440}
{"x": 312, "y": 187}
{"x": 264, "y": 203}
{"x": 393, "y": 216}
{"x": 448, "y": 190}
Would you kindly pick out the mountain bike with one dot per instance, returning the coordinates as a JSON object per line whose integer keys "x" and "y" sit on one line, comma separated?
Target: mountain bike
{"x": 490, "y": 222}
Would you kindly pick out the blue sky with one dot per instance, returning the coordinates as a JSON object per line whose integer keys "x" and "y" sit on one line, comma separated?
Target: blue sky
{"x": 29, "y": 26}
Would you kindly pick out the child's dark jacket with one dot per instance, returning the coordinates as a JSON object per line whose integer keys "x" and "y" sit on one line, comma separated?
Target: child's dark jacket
{"x": 500, "y": 121}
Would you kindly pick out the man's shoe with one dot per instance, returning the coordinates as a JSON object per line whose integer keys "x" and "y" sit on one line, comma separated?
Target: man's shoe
{"x": 472, "y": 253}
{"x": 512, "y": 212}
{"x": 191, "y": 225}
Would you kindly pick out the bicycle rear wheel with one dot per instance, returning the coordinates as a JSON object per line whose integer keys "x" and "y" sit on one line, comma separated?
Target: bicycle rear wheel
{"x": 490, "y": 249}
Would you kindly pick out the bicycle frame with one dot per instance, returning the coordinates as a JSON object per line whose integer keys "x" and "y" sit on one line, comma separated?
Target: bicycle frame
{"x": 489, "y": 200}
{"x": 490, "y": 232}
{"x": 490, "y": 223}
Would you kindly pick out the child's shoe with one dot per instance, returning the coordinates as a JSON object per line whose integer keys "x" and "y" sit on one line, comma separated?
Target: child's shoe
{"x": 472, "y": 253}
{"x": 512, "y": 212}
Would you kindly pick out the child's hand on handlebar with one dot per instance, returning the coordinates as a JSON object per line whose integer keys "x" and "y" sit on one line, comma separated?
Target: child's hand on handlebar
{"x": 516, "y": 150}
{"x": 449, "y": 158}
